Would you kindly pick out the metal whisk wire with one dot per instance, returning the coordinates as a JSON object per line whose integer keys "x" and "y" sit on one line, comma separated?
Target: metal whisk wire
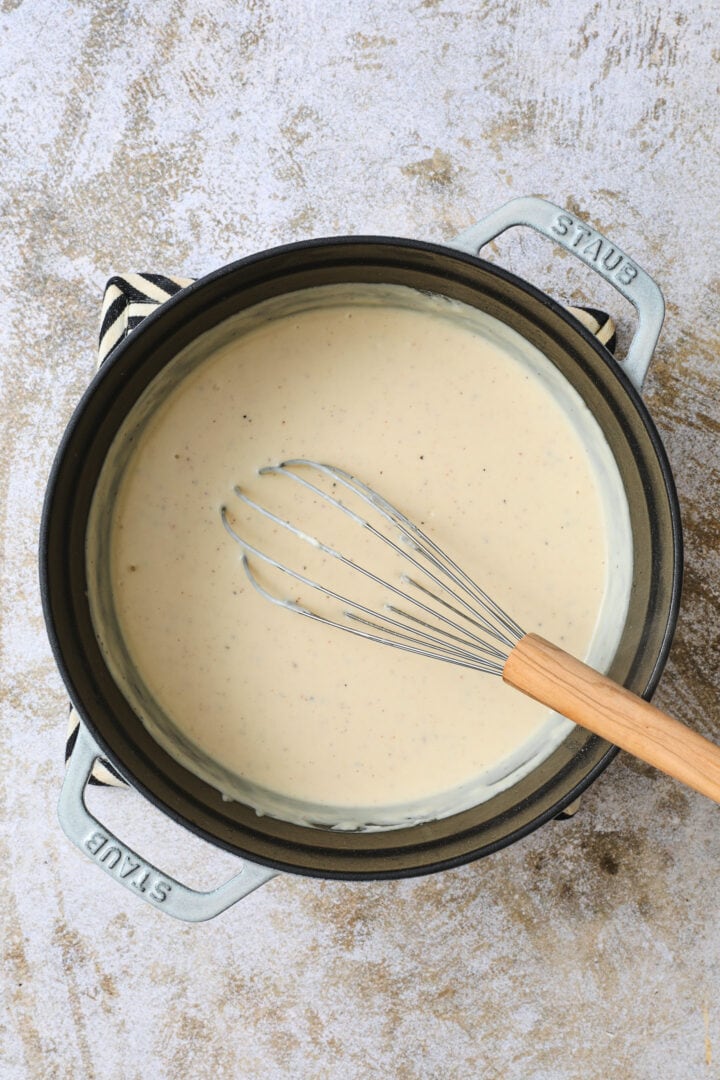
{"x": 484, "y": 648}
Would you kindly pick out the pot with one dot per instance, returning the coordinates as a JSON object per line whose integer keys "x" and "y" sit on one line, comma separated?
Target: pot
{"x": 112, "y": 729}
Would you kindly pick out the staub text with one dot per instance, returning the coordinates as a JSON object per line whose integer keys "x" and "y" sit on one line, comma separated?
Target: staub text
{"x": 594, "y": 249}
{"x": 127, "y": 867}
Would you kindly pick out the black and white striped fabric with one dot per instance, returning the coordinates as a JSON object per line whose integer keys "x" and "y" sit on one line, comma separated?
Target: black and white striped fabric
{"x": 128, "y": 299}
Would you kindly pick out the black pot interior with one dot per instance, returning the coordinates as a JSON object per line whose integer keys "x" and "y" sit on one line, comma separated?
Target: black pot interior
{"x": 585, "y": 363}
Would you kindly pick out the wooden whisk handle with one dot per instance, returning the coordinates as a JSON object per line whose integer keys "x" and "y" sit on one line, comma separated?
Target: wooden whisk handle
{"x": 553, "y": 677}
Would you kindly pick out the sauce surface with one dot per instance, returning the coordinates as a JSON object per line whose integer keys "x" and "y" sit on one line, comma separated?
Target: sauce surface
{"x": 453, "y": 418}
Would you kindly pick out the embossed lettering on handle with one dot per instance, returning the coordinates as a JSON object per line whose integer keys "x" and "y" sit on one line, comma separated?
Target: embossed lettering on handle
{"x": 597, "y": 252}
{"x": 127, "y": 867}
{"x": 594, "y": 249}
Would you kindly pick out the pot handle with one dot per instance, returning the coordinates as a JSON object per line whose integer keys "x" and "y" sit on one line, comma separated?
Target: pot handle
{"x": 592, "y": 248}
{"x": 135, "y": 873}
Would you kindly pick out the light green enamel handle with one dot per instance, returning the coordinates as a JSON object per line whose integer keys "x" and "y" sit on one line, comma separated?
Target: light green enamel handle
{"x": 141, "y": 877}
{"x": 592, "y": 248}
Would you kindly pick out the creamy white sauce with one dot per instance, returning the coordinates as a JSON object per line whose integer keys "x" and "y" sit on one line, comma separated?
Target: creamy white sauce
{"x": 450, "y": 415}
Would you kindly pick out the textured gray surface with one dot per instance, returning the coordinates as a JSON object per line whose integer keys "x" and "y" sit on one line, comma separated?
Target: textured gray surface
{"x": 177, "y": 136}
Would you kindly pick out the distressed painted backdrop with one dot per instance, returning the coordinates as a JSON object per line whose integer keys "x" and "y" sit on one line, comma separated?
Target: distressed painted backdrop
{"x": 177, "y": 136}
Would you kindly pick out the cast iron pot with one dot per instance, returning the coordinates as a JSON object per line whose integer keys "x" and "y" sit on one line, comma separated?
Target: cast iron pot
{"x": 110, "y": 727}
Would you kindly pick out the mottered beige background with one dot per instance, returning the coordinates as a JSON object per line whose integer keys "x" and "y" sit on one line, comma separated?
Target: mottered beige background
{"x": 176, "y": 136}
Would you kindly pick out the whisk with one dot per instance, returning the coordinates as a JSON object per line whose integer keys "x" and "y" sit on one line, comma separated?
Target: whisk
{"x": 436, "y": 610}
